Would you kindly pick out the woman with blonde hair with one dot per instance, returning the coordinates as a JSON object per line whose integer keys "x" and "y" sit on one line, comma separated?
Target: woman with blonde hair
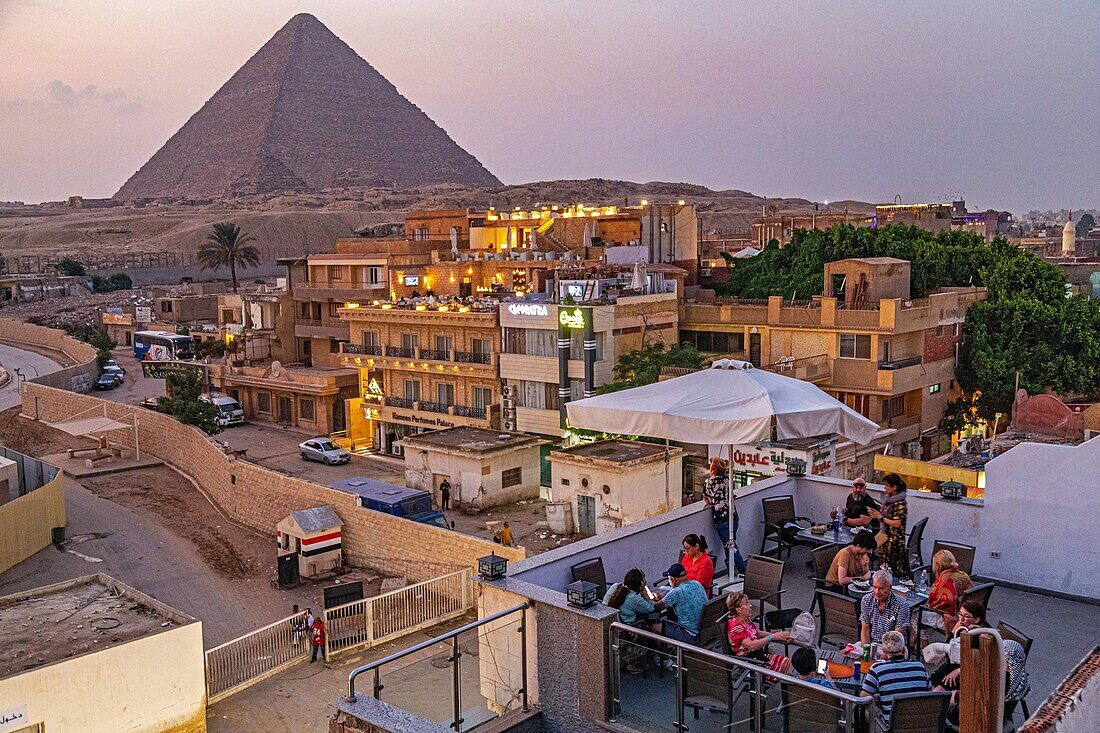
{"x": 716, "y": 493}
{"x": 747, "y": 641}
{"x": 943, "y": 597}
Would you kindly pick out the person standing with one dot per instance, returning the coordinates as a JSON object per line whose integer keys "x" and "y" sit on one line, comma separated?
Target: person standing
{"x": 893, "y": 516}
{"x": 317, "y": 640}
{"x": 855, "y": 508}
{"x": 716, "y": 493}
{"x": 445, "y": 494}
{"x": 297, "y": 626}
{"x": 506, "y": 535}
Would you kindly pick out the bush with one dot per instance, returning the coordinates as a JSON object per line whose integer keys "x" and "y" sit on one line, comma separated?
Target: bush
{"x": 183, "y": 403}
{"x": 70, "y": 266}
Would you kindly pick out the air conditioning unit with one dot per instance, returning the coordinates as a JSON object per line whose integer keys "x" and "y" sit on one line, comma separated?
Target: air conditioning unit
{"x": 508, "y": 404}
{"x": 509, "y": 392}
{"x": 911, "y": 447}
{"x": 508, "y": 424}
{"x": 704, "y": 272}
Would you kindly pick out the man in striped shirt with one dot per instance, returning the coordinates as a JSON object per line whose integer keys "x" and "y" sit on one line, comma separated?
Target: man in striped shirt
{"x": 894, "y": 675}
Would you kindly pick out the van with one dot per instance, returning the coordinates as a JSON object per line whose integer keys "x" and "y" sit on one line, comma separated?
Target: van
{"x": 230, "y": 411}
{"x": 399, "y": 501}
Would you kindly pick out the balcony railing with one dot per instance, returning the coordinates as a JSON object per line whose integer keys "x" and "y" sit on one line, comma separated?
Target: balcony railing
{"x": 401, "y": 352}
{"x": 473, "y": 357}
{"x": 441, "y": 407}
{"x": 400, "y": 402}
{"x": 308, "y": 321}
{"x": 900, "y": 363}
{"x": 367, "y": 349}
{"x": 474, "y": 412}
{"x": 436, "y": 354}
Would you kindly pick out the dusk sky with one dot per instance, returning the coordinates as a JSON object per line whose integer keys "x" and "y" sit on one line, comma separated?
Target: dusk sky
{"x": 992, "y": 101}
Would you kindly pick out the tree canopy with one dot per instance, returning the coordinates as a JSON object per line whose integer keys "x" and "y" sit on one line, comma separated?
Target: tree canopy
{"x": 643, "y": 365}
{"x": 183, "y": 402}
{"x": 1085, "y": 224}
{"x": 227, "y": 246}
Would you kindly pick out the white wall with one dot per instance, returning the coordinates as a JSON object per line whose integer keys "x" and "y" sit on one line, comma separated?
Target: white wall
{"x": 152, "y": 684}
{"x": 469, "y": 473}
{"x": 635, "y": 493}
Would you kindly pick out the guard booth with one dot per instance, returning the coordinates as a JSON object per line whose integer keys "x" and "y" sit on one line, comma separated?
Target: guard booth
{"x": 313, "y": 537}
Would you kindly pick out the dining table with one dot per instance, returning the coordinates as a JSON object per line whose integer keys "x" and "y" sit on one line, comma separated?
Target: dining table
{"x": 843, "y": 537}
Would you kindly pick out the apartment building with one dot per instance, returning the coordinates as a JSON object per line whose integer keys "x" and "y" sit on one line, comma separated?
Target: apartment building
{"x": 781, "y": 226}
{"x": 864, "y": 341}
{"x": 421, "y": 367}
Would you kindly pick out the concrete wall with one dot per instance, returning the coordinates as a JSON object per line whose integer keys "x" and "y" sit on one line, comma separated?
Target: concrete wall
{"x": 468, "y": 474}
{"x": 156, "y": 684}
{"x": 500, "y": 650}
{"x": 28, "y": 522}
{"x": 634, "y": 492}
{"x": 260, "y": 498}
{"x": 174, "y": 275}
{"x": 80, "y": 377}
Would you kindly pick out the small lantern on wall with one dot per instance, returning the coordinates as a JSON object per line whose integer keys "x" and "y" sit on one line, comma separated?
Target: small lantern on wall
{"x": 952, "y": 490}
{"x": 581, "y": 594}
{"x": 796, "y": 467}
{"x": 492, "y": 567}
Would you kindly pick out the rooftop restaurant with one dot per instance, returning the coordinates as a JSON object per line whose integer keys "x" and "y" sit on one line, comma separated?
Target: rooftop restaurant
{"x": 552, "y": 656}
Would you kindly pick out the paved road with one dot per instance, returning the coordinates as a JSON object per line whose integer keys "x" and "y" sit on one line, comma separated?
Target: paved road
{"x": 31, "y": 364}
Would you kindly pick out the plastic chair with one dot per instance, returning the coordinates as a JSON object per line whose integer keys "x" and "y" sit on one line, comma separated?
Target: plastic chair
{"x": 763, "y": 582}
{"x": 822, "y": 559}
{"x": 917, "y": 712}
{"x": 839, "y": 616}
{"x": 778, "y": 512}
{"x": 809, "y": 711}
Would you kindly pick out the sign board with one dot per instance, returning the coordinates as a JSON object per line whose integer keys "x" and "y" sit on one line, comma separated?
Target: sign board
{"x": 117, "y": 319}
{"x": 338, "y": 595}
{"x": 412, "y": 281}
{"x": 13, "y": 719}
{"x": 528, "y": 309}
{"x": 768, "y": 459}
{"x": 143, "y": 314}
{"x": 161, "y": 369}
{"x": 573, "y": 319}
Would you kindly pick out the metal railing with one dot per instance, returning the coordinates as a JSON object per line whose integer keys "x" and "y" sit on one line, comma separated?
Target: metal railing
{"x": 686, "y": 662}
{"x": 436, "y": 354}
{"x": 307, "y": 321}
{"x": 440, "y": 407}
{"x": 233, "y": 666}
{"x": 366, "y": 349}
{"x": 454, "y": 660}
{"x": 808, "y": 368}
{"x": 473, "y": 357}
{"x": 475, "y": 412}
{"x": 900, "y": 362}
{"x": 401, "y": 351}
{"x": 404, "y": 402}
{"x": 376, "y": 620}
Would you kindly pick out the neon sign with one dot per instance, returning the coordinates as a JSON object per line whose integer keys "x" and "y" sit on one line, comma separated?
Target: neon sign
{"x": 527, "y": 309}
{"x": 573, "y": 319}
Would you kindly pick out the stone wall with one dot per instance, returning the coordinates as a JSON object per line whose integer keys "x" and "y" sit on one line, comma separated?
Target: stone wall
{"x": 259, "y": 497}
{"x": 79, "y": 377}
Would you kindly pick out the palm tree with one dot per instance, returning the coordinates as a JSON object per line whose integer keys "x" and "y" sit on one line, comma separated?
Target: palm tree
{"x": 227, "y": 247}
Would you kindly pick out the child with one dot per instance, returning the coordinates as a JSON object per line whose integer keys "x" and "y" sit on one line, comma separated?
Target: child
{"x": 804, "y": 663}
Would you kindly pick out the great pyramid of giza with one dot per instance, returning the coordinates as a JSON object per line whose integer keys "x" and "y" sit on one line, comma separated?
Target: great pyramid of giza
{"x": 304, "y": 113}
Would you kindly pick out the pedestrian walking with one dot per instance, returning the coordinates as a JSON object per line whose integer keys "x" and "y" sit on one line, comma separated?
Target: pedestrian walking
{"x": 317, "y": 640}
{"x": 445, "y": 494}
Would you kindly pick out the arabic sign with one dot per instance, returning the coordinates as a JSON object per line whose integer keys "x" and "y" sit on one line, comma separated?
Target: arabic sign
{"x": 144, "y": 314}
{"x": 771, "y": 460}
{"x": 161, "y": 369}
{"x": 14, "y": 719}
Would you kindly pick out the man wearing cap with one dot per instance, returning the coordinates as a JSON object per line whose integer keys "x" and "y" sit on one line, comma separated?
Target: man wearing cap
{"x": 686, "y": 600}
{"x": 855, "y": 509}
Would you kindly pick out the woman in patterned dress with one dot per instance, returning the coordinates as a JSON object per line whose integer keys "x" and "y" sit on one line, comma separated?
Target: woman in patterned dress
{"x": 893, "y": 515}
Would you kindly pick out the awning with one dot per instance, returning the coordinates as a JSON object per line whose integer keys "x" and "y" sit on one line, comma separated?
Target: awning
{"x": 90, "y": 426}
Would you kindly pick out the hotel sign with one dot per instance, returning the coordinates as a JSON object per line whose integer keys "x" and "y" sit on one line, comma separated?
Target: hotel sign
{"x": 528, "y": 309}
{"x": 571, "y": 319}
{"x": 436, "y": 422}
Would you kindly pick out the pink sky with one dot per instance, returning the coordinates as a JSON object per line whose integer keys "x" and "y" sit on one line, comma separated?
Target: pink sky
{"x": 993, "y": 101}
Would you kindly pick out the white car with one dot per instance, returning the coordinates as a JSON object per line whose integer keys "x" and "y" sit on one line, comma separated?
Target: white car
{"x": 323, "y": 450}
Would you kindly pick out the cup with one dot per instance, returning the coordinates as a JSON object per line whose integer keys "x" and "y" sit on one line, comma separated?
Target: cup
{"x": 874, "y": 650}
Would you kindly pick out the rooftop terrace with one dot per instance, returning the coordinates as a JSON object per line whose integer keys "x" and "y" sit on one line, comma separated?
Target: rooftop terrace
{"x": 471, "y": 439}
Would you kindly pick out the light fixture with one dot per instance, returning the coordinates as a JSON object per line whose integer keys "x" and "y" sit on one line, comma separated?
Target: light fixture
{"x": 492, "y": 567}
{"x": 796, "y": 467}
{"x": 952, "y": 490}
{"x": 581, "y": 594}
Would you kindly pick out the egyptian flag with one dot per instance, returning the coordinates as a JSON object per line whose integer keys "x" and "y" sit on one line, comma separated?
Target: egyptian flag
{"x": 322, "y": 543}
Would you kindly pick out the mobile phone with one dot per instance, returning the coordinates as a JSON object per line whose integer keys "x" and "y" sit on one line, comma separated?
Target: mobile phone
{"x": 822, "y": 666}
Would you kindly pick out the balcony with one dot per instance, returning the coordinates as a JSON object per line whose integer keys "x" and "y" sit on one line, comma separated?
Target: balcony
{"x": 402, "y": 402}
{"x": 364, "y": 349}
{"x": 817, "y": 368}
{"x": 478, "y": 413}
{"x": 401, "y": 352}
{"x": 900, "y": 362}
{"x": 320, "y": 328}
{"x": 341, "y": 291}
{"x": 473, "y": 357}
{"x": 441, "y": 408}
{"x": 435, "y": 354}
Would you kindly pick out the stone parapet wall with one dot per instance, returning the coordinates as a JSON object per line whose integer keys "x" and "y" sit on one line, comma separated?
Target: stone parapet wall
{"x": 79, "y": 377}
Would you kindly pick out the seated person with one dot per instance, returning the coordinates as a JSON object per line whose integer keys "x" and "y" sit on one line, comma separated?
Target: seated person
{"x": 686, "y": 600}
{"x": 882, "y": 610}
{"x": 804, "y": 662}
{"x": 943, "y": 596}
{"x": 855, "y": 508}
{"x": 852, "y": 562}
{"x": 1017, "y": 683}
{"x": 893, "y": 675}
{"x": 745, "y": 639}
{"x": 635, "y": 601}
{"x": 697, "y": 562}
{"x": 971, "y": 616}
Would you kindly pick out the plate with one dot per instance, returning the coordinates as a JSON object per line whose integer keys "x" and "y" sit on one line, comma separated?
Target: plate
{"x": 855, "y": 530}
{"x": 840, "y": 671}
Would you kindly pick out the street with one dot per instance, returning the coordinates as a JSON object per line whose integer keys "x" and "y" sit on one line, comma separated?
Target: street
{"x": 29, "y": 363}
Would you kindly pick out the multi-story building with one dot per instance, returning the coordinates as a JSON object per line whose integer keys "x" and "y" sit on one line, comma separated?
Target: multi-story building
{"x": 781, "y": 227}
{"x": 864, "y": 341}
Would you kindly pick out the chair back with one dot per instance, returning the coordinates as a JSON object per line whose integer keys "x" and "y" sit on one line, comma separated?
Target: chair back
{"x": 919, "y": 712}
{"x": 709, "y": 623}
{"x": 916, "y": 536}
{"x": 964, "y": 554}
{"x": 763, "y": 576}
{"x": 1009, "y": 632}
{"x": 839, "y": 615}
{"x": 980, "y": 593}
{"x": 708, "y": 680}
{"x": 822, "y": 558}
{"x": 809, "y": 710}
{"x": 592, "y": 571}
{"x": 778, "y": 509}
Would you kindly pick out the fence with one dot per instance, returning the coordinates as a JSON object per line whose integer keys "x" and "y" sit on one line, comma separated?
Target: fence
{"x": 236, "y": 664}
{"x": 382, "y": 618}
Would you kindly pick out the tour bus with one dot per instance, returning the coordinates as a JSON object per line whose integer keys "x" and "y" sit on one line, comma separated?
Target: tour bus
{"x": 162, "y": 346}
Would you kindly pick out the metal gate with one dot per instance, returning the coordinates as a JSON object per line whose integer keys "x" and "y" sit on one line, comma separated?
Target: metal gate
{"x": 586, "y": 515}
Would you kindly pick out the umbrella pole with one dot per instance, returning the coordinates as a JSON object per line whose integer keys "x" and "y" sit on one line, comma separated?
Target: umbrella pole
{"x": 668, "y": 497}
{"x": 731, "y": 568}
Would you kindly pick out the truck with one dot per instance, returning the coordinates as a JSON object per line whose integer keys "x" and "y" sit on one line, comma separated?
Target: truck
{"x": 230, "y": 411}
{"x": 398, "y": 501}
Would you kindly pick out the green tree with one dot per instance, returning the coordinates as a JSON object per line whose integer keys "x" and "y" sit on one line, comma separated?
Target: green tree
{"x": 70, "y": 266}
{"x": 1085, "y": 224}
{"x": 227, "y": 246}
{"x": 183, "y": 403}
{"x": 117, "y": 281}
{"x": 643, "y": 365}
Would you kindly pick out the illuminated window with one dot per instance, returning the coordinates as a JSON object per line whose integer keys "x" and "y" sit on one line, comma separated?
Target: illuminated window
{"x": 933, "y": 389}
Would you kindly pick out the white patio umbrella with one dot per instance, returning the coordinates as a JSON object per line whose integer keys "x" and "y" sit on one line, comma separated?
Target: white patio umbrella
{"x": 587, "y": 235}
{"x": 637, "y": 281}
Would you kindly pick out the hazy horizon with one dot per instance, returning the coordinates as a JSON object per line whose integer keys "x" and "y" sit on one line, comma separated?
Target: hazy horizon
{"x": 989, "y": 102}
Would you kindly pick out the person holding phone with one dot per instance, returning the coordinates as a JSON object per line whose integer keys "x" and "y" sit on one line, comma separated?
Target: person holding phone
{"x": 807, "y": 667}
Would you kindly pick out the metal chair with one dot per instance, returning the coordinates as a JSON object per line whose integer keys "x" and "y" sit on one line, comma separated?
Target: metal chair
{"x": 1010, "y": 632}
{"x": 710, "y": 624}
{"x": 764, "y": 584}
{"x": 809, "y": 711}
{"x": 822, "y": 559}
{"x": 913, "y": 544}
{"x": 917, "y": 712}
{"x": 839, "y": 616}
{"x": 592, "y": 571}
{"x": 964, "y": 555}
{"x": 778, "y": 512}
{"x": 980, "y": 593}
{"x": 709, "y": 685}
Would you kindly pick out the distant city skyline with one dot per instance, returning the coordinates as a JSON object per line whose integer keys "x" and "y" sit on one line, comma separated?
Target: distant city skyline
{"x": 985, "y": 101}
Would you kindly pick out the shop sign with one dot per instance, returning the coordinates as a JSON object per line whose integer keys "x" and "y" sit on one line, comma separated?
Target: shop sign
{"x": 161, "y": 369}
{"x": 144, "y": 314}
{"x": 528, "y": 309}
{"x": 412, "y": 281}
{"x": 14, "y": 719}
{"x": 571, "y": 319}
{"x": 769, "y": 460}
{"x": 418, "y": 420}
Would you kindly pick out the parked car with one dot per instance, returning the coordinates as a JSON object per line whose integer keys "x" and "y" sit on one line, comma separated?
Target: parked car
{"x": 107, "y": 381}
{"x": 113, "y": 363}
{"x": 115, "y": 370}
{"x": 149, "y": 403}
{"x": 230, "y": 411}
{"x": 323, "y": 450}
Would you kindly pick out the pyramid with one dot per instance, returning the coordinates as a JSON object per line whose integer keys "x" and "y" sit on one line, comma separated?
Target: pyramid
{"x": 304, "y": 113}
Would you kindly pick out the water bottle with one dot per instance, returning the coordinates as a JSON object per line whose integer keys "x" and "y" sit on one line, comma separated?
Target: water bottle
{"x": 857, "y": 669}
{"x": 923, "y": 581}
{"x": 836, "y": 521}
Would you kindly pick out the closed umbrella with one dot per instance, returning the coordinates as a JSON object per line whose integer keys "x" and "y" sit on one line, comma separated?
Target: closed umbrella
{"x": 638, "y": 281}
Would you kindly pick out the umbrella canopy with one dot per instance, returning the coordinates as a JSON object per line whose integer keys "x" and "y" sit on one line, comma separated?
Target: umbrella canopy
{"x": 729, "y": 403}
{"x": 638, "y": 280}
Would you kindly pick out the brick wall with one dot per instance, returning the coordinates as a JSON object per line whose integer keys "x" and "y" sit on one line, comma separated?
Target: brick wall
{"x": 79, "y": 377}
{"x": 259, "y": 498}
{"x": 940, "y": 347}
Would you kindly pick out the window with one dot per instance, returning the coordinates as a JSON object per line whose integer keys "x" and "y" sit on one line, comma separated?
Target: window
{"x": 536, "y": 395}
{"x": 482, "y": 346}
{"x": 541, "y": 342}
{"x": 511, "y": 477}
{"x": 576, "y": 345}
{"x": 165, "y": 306}
{"x": 861, "y": 403}
{"x": 370, "y": 338}
{"x": 420, "y": 233}
{"x": 855, "y": 346}
{"x": 409, "y": 341}
{"x": 955, "y": 328}
{"x": 374, "y": 275}
{"x": 333, "y": 310}
{"x": 263, "y": 402}
{"x": 712, "y": 342}
{"x": 307, "y": 344}
{"x": 412, "y": 390}
{"x": 305, "y": 310}
{"x": 482, "y": 397}
{"x": 893, "y": 407}
{"x": 305, "y": 409}
{"x": 933, "y": 389}
{"x": 444, "y": 343}
{"x": 335, "y": 272}
{"x": 334, "y": 346}
{"x": 445, "y": 393}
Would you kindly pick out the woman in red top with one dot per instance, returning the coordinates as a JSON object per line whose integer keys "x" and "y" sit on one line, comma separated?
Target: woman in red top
{"x": 745, "y": 639}
{"x": 943, "y": 596}
{"x": 697, "y": 562}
